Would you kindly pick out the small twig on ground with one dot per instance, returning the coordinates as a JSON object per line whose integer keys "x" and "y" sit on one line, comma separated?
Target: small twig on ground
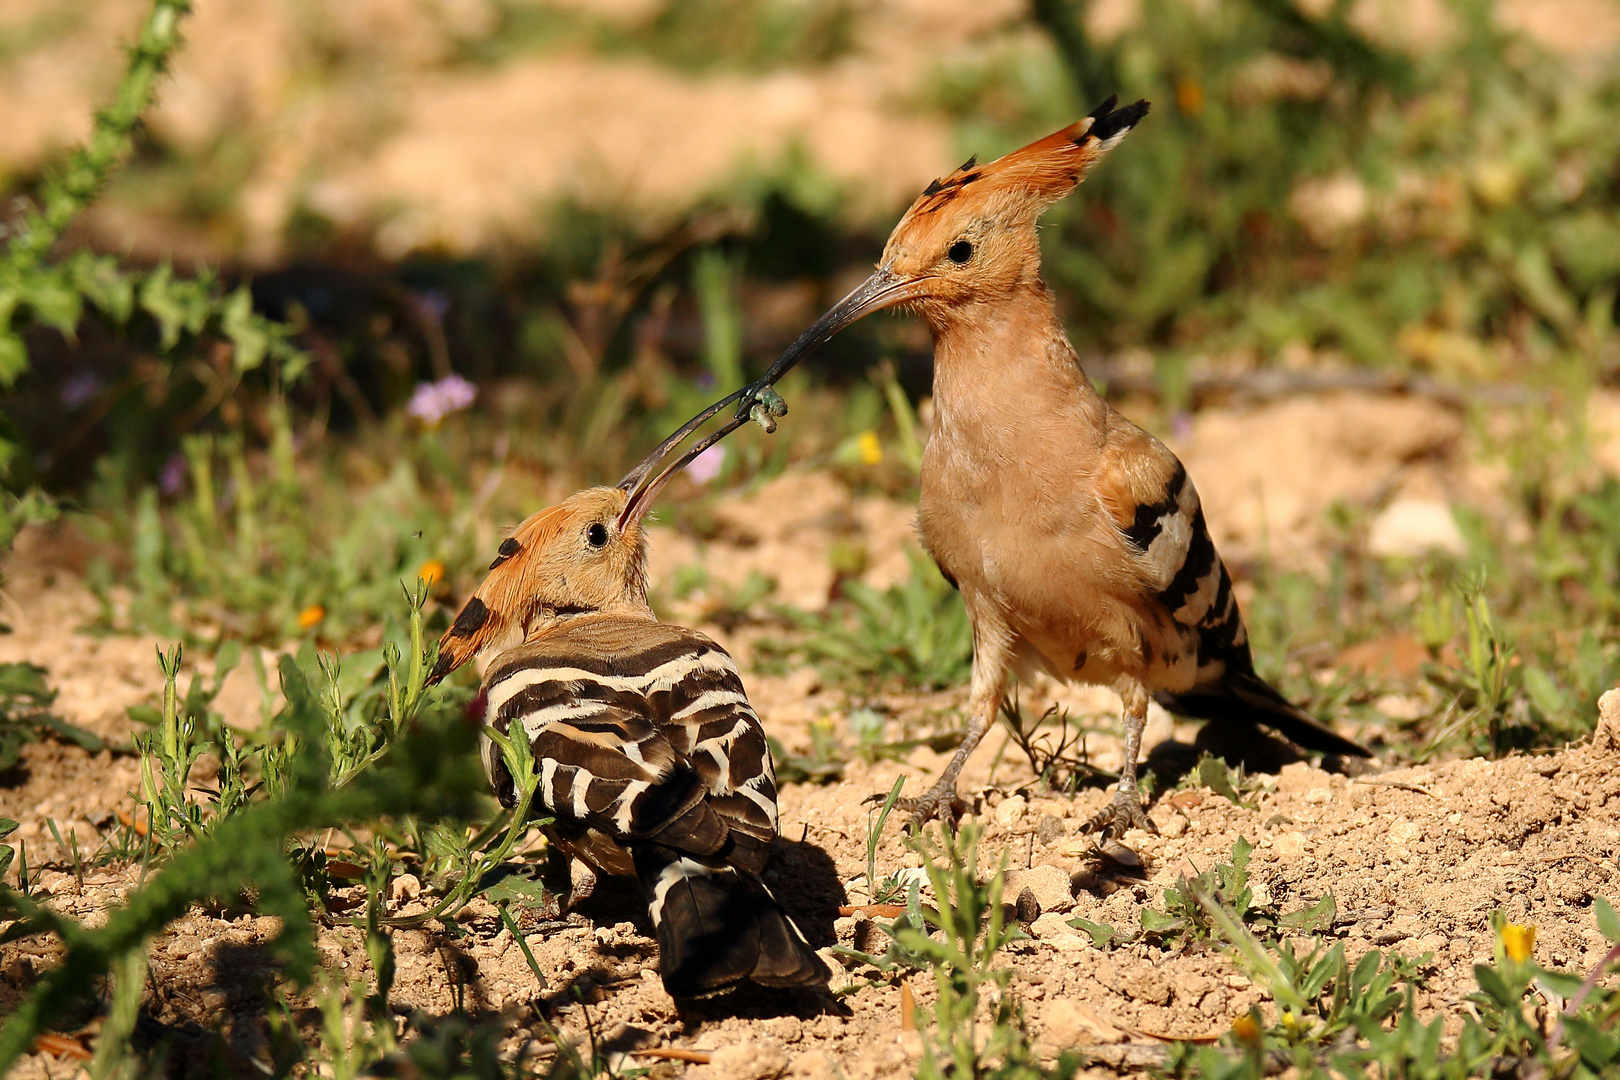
{"x": 1395, "y": 784}
{"x": 676, "y": 1053}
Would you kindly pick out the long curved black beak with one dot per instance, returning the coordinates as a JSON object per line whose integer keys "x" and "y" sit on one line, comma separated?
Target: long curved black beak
{"x": 757, "y": 401}
{"x": 642, "y": 485}
{"x": 883, "y": 289}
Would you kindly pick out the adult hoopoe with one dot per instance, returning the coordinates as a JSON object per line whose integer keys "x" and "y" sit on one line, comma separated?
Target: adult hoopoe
{"x": 648, "y": 755}
{"x": 1075, "y": 537}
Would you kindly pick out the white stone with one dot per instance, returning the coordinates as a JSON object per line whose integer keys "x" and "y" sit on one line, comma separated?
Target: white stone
{"x": 1050, "y": 884}
{"x": 1409, "y": 527}
{"x": 404, "y": 888}
{"x": 1067, "y": 1023}
{"x": 1608, "y": 730}
{"x": 1011, "y": 810}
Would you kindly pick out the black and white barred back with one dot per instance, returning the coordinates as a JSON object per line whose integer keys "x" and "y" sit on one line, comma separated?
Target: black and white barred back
{"x": 653, "y": 764}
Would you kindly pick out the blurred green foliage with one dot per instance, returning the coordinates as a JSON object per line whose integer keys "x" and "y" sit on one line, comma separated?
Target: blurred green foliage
{"x": 1454, "y": 208}
{"x": 175, "y": 312}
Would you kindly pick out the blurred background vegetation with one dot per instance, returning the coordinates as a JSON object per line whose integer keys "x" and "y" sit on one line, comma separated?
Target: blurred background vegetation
{"x": 368, "y": 278}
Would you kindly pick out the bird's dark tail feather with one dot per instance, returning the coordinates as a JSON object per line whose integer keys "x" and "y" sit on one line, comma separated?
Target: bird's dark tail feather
{"x": 1246, "y": 698}
{"x": 717, "y": 927}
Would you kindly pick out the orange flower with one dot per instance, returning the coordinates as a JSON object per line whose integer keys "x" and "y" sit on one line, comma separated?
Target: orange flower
{"x": 310, "y": 616}
{"x": 431, "y": 572}
{"x": 1244, "y": 1029}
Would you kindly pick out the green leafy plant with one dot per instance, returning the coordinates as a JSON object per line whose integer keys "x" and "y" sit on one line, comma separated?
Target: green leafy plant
{"x": 958, "y": 945}
{"x": 1224, "y": 780}
{"x": 1186, "y": 917}
{"x": 25, "y": 702}
{"x": 916, "y": 632}
{"x": 1339, "y": 1019}
{"x": 892, "y": 886}
{"x": 183, "y": 310}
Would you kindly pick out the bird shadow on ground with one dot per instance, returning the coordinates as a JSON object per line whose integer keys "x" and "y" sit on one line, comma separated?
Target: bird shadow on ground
{"x": 617, "y": 900}
{"x": 804, "y": 879}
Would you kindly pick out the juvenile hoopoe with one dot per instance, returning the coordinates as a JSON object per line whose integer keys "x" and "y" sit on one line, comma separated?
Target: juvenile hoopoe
{"x": 1075, "y": 537}
{"x": 649, "y": 757}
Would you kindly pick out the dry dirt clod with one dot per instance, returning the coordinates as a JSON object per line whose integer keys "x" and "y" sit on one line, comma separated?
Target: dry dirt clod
{"x": 1028, "y": 909}
{"x": 1607, "y": 736}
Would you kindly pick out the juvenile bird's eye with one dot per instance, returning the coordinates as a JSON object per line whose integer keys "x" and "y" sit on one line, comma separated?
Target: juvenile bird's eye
{"x": 960, "y": 252}
{"x": 596, "y": 535}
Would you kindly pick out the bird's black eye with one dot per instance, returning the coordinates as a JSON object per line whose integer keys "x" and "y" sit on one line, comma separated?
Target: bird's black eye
{"x": 960, "y": 252}
{"x": 596, "y": 535}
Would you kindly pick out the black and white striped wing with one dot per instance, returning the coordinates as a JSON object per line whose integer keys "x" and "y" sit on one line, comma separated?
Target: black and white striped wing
{"x": 653, "y": 743}
{"x": 710, "y": 724}
{"x": 1192, "y": 584}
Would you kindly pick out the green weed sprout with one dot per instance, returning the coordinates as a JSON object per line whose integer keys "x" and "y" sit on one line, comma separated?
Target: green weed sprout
{"x": 1186, "y": 916}
{"x": 890, "y": 888}
{"x": 167, "y": 756}
{"x": 1338, "y": 1019}
{"x": 473, "y": 869}
{"x": 958, "y": 943}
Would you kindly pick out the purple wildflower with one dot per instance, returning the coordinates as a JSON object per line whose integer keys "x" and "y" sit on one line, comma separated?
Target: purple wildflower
{"x": 706, "y": 466}
{"x": 173, "y": 477}
{"x": 78, "y": 391}
{"x": 432, "y": 402}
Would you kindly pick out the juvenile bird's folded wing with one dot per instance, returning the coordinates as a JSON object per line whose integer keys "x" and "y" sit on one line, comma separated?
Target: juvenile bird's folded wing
{"x": 709, "y": 723}
{"x": 644, "y": 732}
{"x": 602, "y": 763}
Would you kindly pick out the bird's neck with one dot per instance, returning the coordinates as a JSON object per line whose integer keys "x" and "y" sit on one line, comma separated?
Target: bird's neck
{"x": 1008, "y": 359}
{"x": 551, "y": 620}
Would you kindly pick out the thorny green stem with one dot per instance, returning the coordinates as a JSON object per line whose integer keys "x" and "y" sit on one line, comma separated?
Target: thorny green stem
{"x": 112, "y": 1045}
{"x": 68, "y": 192}
{"x": 520, "y": 762}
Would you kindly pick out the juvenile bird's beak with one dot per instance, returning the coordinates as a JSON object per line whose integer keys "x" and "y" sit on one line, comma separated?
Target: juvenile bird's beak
{"x": 883, "y": 289}
{"x": 642, "y": 485}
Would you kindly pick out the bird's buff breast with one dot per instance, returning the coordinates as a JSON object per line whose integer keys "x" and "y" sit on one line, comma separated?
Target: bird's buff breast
{"x": 1050, "y": 569}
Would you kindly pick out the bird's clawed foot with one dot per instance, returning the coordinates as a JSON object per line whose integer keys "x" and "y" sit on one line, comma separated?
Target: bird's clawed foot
{"x": 941, "y": 802}
{"x": 1125, "y": 812}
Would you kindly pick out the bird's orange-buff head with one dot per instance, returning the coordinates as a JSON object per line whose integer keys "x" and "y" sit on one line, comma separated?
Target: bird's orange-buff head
{"x": 970, "y": 236}
{"x": 586, "y": 554}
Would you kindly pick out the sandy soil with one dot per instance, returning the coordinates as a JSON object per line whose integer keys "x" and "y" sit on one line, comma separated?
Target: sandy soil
{"x": 1416, "y": 858}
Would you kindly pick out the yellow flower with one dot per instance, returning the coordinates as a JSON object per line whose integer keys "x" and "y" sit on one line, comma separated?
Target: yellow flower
{"x": 310, "y": 616}
{"x": 431, "y": 572}
{"x": 1518, "y": 941}
{"x": 1244, "y": 1029}
{"x": 870, "y": 449}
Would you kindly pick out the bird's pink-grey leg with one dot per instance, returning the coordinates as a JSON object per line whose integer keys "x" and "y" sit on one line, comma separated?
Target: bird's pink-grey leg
{"x": 992, "y": 652}
{"x": 1125, "y": 811}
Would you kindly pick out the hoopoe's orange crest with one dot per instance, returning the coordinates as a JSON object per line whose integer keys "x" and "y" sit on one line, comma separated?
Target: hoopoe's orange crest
{"x": 971, "y": 235}
{"x": 582, "y": 555}
{"x": 1030, "y": 179}
{"x": 969, "y": 239}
